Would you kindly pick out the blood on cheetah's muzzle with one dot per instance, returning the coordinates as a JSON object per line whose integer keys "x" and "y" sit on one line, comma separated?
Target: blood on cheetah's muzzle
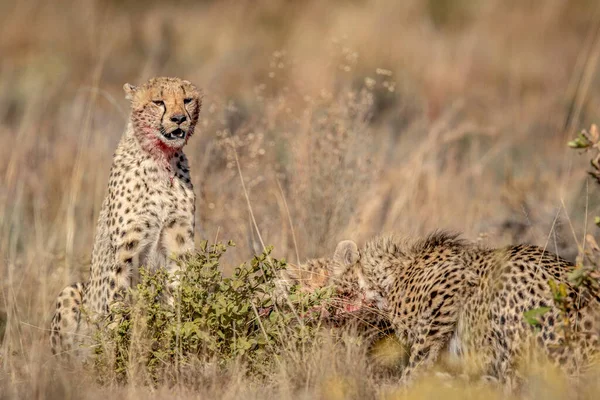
{"x": 175, "y": 134}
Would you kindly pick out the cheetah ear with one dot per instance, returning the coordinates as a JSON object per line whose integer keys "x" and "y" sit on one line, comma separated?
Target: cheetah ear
{"x": 129, "y": 91}
{"x": 346, "y": 254}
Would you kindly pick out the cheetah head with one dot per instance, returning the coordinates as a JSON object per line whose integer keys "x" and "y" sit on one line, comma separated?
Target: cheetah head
{"x": 164, "y": 112}
{"x": 347, "y": 308}
{"x": 313, "y": 274}
{"x": 316, "y": 274}
{"x": 350, "y": 274}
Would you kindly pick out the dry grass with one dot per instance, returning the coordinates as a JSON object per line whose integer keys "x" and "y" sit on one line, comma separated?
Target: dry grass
{"x": 349, "y": 119}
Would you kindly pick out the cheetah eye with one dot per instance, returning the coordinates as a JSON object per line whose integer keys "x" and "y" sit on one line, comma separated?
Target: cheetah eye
{"x": 187, "y": 101}
{"x": 158, "y": 102}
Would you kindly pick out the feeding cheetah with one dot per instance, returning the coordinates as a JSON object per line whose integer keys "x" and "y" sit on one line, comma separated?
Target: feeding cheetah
{"x": 147, "y": 217}
{"x": 446, "y": 297}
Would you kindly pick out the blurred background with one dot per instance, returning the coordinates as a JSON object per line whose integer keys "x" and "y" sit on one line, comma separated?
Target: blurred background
{"x": 348, "y": 118}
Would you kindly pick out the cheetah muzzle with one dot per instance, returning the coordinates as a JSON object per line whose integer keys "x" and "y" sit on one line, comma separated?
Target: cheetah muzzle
{"x": 175, "y": 134}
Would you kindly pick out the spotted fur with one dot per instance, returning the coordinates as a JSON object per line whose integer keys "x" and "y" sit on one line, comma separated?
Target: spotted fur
{"x": 147, "y": 217}
{"x": 65, "y": 326}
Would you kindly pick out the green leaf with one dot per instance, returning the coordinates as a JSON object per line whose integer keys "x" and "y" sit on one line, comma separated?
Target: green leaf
{"x": 532, "y": 317}
{"x": 580, "y": 142}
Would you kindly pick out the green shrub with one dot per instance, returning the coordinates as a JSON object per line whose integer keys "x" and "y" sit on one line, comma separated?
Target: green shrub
{"x": 588, "y": 261}
{"x": 587, "y": 265}
{"x": 213, "y": 320}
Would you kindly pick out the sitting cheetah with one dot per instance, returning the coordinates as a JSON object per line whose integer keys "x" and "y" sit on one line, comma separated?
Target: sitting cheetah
{"x": 147, "y": 217}
{"x": 448, "y": 297}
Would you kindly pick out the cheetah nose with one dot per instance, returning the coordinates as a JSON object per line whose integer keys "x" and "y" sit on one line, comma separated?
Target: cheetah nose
{"x": 179, "y": 118}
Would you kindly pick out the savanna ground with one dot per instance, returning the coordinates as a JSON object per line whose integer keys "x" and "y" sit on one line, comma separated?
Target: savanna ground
{"x": 348, "y": 118}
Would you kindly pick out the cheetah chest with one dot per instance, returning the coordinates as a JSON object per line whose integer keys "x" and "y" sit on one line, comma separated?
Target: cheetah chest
{"x": 173, "y": 221}
{"x": 154, "y": 215}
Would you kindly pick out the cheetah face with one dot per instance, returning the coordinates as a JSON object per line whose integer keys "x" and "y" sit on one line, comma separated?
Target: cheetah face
{"x": 313, "y": 274}
{"x": 344, "y": 272}
{"x": 164, "y": 111}
{"x": 351, "y": 275}
{"x": 319, "y": 273}
{"x": 350, "y": 308}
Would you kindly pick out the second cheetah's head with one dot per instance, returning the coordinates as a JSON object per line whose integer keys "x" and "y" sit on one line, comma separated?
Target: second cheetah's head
{"x": 319, "y": 273}
{"x": 342, "y": 272}
{"x": 164, "y": 111}
{"x": 349, "y": 271}
{"x": 309, "y": 276}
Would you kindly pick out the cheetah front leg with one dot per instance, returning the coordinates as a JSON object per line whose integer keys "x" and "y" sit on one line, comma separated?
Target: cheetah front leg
{"x": 178, "y": 242}
{"x": 130, "y": 248}
{"x": 425, "y": 350}
{"x": 432, "y": 333}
